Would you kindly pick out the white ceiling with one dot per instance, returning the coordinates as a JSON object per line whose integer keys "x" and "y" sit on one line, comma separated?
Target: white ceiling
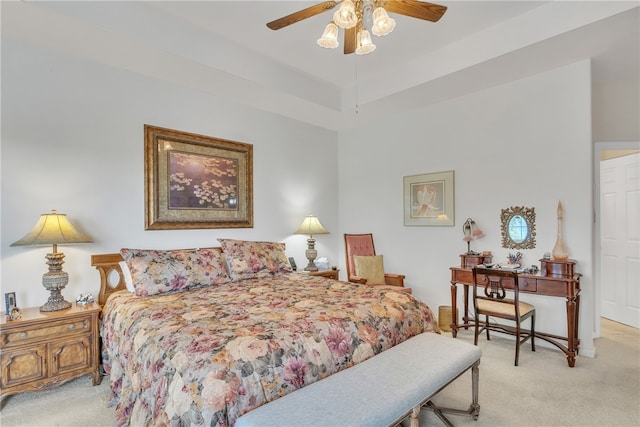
{"x": 225, "y": 48}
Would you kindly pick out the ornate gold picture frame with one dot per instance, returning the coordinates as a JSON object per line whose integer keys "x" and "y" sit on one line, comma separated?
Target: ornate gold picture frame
{"x": 194, "y": 181}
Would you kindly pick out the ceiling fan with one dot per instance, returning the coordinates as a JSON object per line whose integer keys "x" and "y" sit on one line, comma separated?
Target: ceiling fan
{"x": 351, "y": 16}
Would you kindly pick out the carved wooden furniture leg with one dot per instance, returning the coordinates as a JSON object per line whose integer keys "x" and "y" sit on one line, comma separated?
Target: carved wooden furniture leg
{"x": 454, "y": 316}
{"x": 571, "y": 332}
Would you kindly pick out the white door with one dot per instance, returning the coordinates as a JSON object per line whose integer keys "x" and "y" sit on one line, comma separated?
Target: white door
{"x": 620, "y": 239}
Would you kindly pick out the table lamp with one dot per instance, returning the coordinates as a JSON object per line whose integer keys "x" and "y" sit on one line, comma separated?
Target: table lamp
{"x": 311, "y": 225}
{"x": 54, "y": 229}
{"x": 471, "y": 232}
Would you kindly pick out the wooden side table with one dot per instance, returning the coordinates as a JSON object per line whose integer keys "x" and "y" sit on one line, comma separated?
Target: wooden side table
{"x": 45, "y": 349}
{"x": 331, "y": 274}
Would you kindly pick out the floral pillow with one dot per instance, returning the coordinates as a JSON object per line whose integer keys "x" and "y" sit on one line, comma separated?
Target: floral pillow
{"x": 209, "y": 267}
{"x": 159, "y": 271}
{"x": 248, "y": 260}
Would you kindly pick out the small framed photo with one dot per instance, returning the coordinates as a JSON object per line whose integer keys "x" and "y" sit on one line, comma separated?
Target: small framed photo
{"x": 9, "y": 301}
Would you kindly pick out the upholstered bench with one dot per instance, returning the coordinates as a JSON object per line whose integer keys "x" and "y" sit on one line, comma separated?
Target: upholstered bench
{"x": 381, "y": 391}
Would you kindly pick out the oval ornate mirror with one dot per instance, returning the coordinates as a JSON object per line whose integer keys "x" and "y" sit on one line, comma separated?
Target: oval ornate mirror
{"x": 518, "y": 227}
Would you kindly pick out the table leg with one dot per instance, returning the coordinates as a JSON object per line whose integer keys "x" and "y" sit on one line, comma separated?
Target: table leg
{"x": 576, "y": 341}
{"x": 572, "y": 331}
{"x": 454, "y": 317}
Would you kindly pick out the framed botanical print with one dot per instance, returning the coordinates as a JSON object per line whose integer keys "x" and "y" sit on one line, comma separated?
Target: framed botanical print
{"x": 429, "y": 199}
{"x": 194, "y": 181}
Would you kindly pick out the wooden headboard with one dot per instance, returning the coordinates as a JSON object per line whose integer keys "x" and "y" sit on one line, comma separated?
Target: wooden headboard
{"x": 106, "y": 264}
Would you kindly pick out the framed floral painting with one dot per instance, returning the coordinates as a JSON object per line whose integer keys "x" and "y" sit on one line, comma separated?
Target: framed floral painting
{"x": 429, "y": 199}
{"x": 194, "y": 181}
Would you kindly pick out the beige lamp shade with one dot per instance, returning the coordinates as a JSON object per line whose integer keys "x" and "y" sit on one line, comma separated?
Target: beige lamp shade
{"x": 311, "y": 225}
{"x": 52, "y": 229}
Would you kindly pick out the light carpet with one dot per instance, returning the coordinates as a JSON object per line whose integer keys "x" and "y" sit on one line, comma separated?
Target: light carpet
{"x": 542, "y": 391}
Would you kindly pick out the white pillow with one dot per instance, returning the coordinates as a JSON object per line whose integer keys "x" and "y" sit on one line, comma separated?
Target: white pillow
{"x": 126, "y": 273}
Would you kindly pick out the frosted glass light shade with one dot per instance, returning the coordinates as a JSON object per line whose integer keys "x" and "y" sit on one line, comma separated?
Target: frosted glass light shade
{"x": 329, "y": 39}
{"x": 382, "y": 24}
{"x": 364, "y": 43}
{"x": 345, "y": 16}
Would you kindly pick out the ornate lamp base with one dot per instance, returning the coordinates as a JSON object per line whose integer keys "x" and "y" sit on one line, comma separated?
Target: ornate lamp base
{"x": 55, "y": 302}
{"x": 311, "y": 253}
{"x": 54, "y": 281}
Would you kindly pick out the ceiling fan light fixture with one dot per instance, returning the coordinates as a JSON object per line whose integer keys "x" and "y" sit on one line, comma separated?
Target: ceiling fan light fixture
{"x": 329, "y": 39}
{"x": 346, "y": 17}
{"x": 355, "y": 16}
{"x": 382, "y": 24}
{"x": 364, "y": 43}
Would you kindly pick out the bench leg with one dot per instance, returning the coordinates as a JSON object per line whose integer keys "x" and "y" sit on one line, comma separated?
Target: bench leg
{"x": 474, "y": 409}
{"x": 475, "y": 384}
{"x": 439, "y": 413}
{"x": 415, "y": 412}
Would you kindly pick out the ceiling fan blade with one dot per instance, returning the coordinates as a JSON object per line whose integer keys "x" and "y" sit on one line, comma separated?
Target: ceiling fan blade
{"x": 416, "y": 9}
{"x": 301, "y": 14}
{"x": 350, "y": 40}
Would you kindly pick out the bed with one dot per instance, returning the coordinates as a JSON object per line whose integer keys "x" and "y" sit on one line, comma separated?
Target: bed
{"x": 202, "y": 336}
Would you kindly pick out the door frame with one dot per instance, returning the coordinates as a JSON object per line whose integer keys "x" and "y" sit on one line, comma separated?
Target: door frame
{"x": 599, "y": 147}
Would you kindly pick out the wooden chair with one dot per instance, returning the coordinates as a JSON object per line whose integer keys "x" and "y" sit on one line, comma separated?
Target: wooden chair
{"x": 362, "y": 245}
{"x": 490, "y": 287}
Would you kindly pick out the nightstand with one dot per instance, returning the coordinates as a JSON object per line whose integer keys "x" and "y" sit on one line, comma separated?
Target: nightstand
{"x": 331, "y": 274}
{"x": 43, "y": 350}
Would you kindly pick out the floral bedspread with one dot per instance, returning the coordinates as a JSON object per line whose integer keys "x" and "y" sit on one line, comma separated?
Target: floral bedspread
{"x": 206, "y": 356}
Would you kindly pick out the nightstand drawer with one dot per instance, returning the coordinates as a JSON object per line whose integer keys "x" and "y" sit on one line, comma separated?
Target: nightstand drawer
{"x": 27, "y": 333}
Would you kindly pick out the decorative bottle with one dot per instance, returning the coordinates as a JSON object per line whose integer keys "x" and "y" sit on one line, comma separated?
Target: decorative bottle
{"x": 560, "y": 250}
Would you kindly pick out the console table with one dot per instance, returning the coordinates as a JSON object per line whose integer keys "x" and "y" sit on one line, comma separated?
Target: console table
{"x": 546, "y": 282}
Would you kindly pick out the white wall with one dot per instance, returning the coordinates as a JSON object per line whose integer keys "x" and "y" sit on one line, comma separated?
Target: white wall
{"x": 72, "y": 140}
{"x": 526, "y": 143}
{"x": 616, "y": 111}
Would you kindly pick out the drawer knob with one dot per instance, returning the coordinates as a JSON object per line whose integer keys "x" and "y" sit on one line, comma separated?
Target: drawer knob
{"x": 23, "y": 334}
{"x": 72, "y": 326}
